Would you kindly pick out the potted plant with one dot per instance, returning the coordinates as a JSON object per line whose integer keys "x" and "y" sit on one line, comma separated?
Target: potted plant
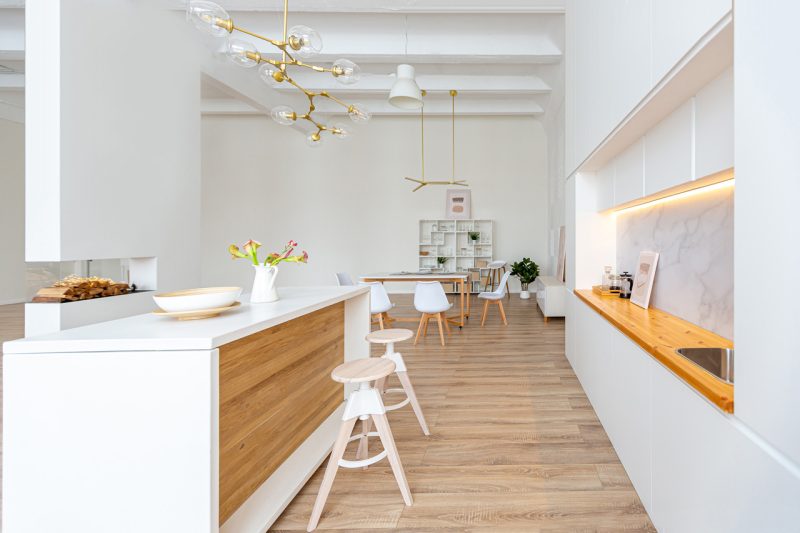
{"x": 474, "y": 236}
{"x": 441, "y": 261}
{"x": 527, "y": 271}
{"x": 266, "y": 273}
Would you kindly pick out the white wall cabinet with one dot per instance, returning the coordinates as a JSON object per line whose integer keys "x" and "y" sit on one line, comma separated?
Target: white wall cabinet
{"x": 619, "y": 50}
{"x": 605, "y": 187}
{"x": 629, "y": 173}
{"x": 713, "y": 126}
{"x": 668, "y": 154}
{"x": 677, "y": 25}
{"x": 694, "y": 467}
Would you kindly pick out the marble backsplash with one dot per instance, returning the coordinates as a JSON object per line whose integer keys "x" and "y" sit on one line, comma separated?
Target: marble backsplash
{"x": 694, "y": 237}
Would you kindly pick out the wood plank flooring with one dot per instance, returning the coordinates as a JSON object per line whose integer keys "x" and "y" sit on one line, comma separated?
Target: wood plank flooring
{"x": 12, "y": 326}
{"x": 515, "y": 445}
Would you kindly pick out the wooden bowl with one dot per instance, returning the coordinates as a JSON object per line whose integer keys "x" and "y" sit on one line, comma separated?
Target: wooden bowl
{"x": 424, "y": 253}
{"x": 197, "y": 299}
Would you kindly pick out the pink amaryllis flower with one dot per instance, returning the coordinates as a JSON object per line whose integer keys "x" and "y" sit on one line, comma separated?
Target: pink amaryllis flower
{"x": 251, "y": 248}
{"x": 251, "y": 252}
{"x": 235, "y": 252}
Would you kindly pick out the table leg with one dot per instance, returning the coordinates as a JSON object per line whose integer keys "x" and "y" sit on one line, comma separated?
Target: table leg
{"x": 469, "y": 298}
{"x": 461, "y": 290}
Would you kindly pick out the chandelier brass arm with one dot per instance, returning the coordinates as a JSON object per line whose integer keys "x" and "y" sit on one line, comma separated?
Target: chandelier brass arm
{"x": 301, "y": 41}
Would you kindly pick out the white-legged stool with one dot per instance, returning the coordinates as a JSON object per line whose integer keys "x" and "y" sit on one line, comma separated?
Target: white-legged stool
{"x": 389, "y": 337}
{"x": 362, "y": 404}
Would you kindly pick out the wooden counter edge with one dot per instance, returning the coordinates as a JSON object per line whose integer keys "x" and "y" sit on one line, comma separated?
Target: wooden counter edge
{"x": 719, "y": 393}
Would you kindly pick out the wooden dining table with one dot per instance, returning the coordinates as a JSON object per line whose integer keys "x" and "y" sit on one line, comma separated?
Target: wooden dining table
{"x": 459, "y": 279}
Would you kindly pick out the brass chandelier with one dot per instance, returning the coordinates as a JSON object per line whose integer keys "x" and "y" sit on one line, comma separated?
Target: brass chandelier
{"x": 421, "y": 181}
{"x": 300, "y": 41}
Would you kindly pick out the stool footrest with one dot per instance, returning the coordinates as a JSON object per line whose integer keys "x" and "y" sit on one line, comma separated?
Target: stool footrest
{"x": 398, "y": 405}
{"x": 344, "y": 463}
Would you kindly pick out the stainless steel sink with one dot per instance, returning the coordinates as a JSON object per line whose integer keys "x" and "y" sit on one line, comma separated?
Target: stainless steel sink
{"x": 716, "y": 361}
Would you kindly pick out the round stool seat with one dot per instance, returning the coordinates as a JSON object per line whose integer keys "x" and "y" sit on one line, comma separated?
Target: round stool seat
{"x": 385, "y": 336}
{"x": 362, "y": 370}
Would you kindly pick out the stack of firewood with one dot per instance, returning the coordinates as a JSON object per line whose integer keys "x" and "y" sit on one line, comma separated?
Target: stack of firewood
{"x": 73, "y": 288}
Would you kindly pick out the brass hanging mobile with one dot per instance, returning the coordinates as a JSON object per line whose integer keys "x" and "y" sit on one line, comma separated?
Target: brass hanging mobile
{"x": 453, "y": 181}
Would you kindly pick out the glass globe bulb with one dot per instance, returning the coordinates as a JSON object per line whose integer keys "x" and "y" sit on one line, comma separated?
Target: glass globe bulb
{"x": 314, "y": 139}
{"x": 205, "y": 15}
{"x": 271, "y": 75}
{"x": 283, "y": 115}
{"x": 238, "y": 51}
{"x": 358, "y": 113}
{"x": 305, "y": 41}
{"x": 346, "y": 72}
{"x": 339, "y": 131}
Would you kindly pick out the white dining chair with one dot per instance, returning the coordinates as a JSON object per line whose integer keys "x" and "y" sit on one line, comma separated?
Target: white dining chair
{"x": 430, "y": 300}
{"x": 495, "y": 297}
{"x": 343, "y": 279}
{"x": 493, "y": 275}
{"x": 379, "y": 302}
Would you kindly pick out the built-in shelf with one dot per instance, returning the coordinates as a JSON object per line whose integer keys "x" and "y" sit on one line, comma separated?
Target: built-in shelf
{"x": 450, "y": 239}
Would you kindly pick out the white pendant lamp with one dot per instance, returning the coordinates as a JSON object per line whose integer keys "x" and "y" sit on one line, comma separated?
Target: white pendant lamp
{"x": 405, "y": 92}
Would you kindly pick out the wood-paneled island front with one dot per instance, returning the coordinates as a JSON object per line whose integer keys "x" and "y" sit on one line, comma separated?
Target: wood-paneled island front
{"x": 150, "y": 424}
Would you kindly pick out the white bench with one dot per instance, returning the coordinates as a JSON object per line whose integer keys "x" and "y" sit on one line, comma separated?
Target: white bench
{"x": 551, "y": 295}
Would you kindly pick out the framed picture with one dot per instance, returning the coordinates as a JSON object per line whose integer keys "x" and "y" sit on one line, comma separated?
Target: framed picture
{"x": 561, "y": 265}
{"x": 459, "y": 204}
{"x": 643, "y": 280}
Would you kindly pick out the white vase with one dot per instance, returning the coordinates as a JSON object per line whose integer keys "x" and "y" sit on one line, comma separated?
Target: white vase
{"x": 264, "y": 289}
{"x": 525, "y": 295}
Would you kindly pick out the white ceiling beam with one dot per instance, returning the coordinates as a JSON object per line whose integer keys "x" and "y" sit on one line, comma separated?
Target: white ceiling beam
{"x": 12, "y": 32}
{"x": 401, "y": 6}
{"x": 374, "y": 83}
{"x": 488, "y": 39}
{"x": 380, "y": 107}
{"x": 12, "y": 81}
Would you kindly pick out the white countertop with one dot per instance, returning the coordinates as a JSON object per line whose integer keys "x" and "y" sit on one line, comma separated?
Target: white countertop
{"x": 149, "y": 332}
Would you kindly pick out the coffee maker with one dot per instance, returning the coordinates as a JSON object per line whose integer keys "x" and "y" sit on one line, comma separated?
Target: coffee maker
{"x": 626, "y": 285}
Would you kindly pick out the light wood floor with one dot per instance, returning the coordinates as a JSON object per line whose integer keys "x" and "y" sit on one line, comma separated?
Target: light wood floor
{"x": 514, "y": 444}
{"x": 12, "y": 326}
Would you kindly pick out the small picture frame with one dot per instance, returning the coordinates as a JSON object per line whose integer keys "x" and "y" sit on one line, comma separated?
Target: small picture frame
{"x": 643, "y": 279}
{"x": 459, "y": 204}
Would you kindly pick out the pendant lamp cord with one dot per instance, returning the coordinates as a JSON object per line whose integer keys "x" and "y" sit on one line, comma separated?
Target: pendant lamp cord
{"x": 453, "y": 94}
{"x": 422, "y": 136}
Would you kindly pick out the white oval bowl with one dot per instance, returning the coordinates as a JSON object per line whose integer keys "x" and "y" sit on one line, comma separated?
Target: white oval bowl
{"x": 197, "y": 299}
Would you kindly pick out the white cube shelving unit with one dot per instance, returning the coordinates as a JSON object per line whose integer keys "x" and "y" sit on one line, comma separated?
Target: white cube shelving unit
{"x": 450, "y": 239}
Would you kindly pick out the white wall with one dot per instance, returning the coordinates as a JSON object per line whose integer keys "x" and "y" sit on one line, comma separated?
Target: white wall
{"x": 347, "y": 202}
{"x": 113, "y": 135}
{"x": 12, "y": 212}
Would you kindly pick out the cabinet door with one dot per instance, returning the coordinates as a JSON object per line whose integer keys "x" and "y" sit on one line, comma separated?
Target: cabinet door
{"x": 629, "y": 174}
{"x": 630, "y": 424}
{"x": 597, "y": 361}
{"x": 668, "y": 151}
{"x": 611, "y": 57}
{"x": 605, "y": 187}
{"x": 677, "y": 26}
{"x": 709, "y": 475}
{"x": 713, "y": 126}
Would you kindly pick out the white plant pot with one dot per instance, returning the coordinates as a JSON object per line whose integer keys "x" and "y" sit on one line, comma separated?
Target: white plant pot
{"x": 525, "y": 295}
{"x": 264, "y": 289}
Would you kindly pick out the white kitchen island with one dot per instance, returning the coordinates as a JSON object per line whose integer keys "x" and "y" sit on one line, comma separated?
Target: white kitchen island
{"x": 148, "y": 424}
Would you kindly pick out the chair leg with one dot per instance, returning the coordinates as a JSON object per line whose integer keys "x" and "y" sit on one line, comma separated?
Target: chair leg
{"x": 412, "y": 398}
{"x": 425, "y": 329}
{"x": 502, "y": 312}
{"x": 382, "y": 425}
{"x": 446, "y": 324}
{"x": 380, "y": 320}
{"x": 485, "y": 312}
{"x": 441, "y": 329}
{"x": 419, "y": 329}
{"x": 330, "y": 472}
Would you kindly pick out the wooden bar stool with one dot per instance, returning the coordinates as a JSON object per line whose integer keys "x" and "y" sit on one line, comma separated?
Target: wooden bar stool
{"x": 362, "y": 404}
{"x": 389, "y": 337}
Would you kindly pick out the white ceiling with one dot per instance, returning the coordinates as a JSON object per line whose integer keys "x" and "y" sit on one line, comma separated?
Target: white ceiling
{"x": 505, "y": 57}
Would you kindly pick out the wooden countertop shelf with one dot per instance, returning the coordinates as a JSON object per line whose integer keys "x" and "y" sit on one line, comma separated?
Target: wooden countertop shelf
{"x": 660, "y": 333}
